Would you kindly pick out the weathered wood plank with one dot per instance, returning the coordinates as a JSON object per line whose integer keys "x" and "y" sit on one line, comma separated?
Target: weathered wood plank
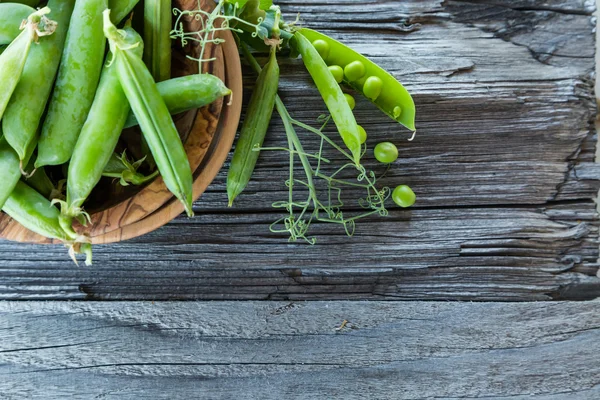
{"x": 502, "y": 165}
{"x": 253, "y": 350}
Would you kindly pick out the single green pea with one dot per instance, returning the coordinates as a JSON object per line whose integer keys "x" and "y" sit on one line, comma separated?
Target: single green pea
{"x": 404, "y": 196}
{"x": 322, "y": 47}
{"x": 386, "y": 152}
{"x": 351, "y": 101}
{"x": 362, "y": 133}
{"x": 338, "y": 73}
{"x": 354, "y": 71}
{"x": 397, "y": 111}
{"x": 373, "y": 87}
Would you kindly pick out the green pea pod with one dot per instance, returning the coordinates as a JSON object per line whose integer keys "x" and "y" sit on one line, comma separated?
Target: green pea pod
{"x": 12, "y": 60}
{"x": 30, "y": 3}
{"x": 154, "y": 118}
{"x": 32, "y": 210}
{"x": 36, "y": 213}
{"x": 157, "y": 38}
{"x": 11, "y": 16}
{"x": 101, "y": 131}
{"x": 332, "y": 95}
{"x": 252, "y": 135}
{"x": 186, "y": 93}
{"x": 393, "y": 99}
{"x": 76, "y": 83}
{"x": 26, "y": 106}
{"x": 119, "y": 9}
{"x": 41, "y": 182}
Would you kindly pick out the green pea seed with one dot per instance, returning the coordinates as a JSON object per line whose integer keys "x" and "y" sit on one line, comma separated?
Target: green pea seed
{"x": 351, "y": 101}
{"x": 372, "y": 87}
{"x": 338, "y": 73}
{"x": 322, "y": 47}
{"x": 404, "y": 196}
{"x": 354, "y": 71}
{"x": 386, "y": 152}
{"x": 362, "y": 134}
{"x": 397, "y": 111}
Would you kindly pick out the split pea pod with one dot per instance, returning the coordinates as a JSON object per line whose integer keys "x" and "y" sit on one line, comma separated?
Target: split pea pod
{"x": 186, "y": 93}
{"x": 26, "y": 106}
{"x": 332, "y": 95}
{"x": 372, "y": 81}
{"x": 157, "y": 38}
{"x": 153, "y": 116}
{"x": 254, "y": 129}
{"x": 101, "y": 131}
{"x": 12, "y": 60}
{"x": 11, "y": 16}
{"x": 76, "y": 83}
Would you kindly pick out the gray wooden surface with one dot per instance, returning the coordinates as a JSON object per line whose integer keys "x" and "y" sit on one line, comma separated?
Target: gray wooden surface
{"x": 502, "y": 165}
{"x": 282, "y": 350}
{"x": 504, "y": 169}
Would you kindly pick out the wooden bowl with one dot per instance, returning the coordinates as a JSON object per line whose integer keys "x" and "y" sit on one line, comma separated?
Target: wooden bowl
{"x": 208, "y": 135}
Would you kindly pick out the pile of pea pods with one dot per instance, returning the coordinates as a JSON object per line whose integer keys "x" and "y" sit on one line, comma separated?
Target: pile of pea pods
{"x": 71, "y": 82}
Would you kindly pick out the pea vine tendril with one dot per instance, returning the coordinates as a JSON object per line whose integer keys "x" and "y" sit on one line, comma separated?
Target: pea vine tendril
{"x": 325, "y": 205}
{"x": 211, "y": 23}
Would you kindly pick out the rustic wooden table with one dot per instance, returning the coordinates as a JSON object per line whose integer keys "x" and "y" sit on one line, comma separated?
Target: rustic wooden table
{"x": 503, "y": 165}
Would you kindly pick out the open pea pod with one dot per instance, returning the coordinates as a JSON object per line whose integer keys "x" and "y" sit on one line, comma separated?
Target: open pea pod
{"x": 373, "y": 82}
{"x": 332, "y": 95}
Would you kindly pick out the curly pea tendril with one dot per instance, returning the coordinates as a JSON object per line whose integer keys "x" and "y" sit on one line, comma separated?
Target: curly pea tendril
{"x": 211, "y": 23}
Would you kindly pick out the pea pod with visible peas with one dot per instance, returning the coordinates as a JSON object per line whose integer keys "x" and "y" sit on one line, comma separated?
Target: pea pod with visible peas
{"x": 76, "y": 83}
{"x": 368, "y": 78}
{"x": 12, "y": 60}
{"x": 332, "y": 94}
{"x": 11, "y": 16}
{"x": 254, "y": 129}
{"x": 100, "y": 133}
{"x": 26, "y": 106}
{"x": 153, "y": 116}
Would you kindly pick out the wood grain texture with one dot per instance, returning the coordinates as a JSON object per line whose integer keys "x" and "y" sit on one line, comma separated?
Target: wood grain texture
{"x": 503, "y": 166}
{"x": 257, "y": 350}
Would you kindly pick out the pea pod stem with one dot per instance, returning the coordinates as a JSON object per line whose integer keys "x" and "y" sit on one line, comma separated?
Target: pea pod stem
{"x": 152, "y": 113}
